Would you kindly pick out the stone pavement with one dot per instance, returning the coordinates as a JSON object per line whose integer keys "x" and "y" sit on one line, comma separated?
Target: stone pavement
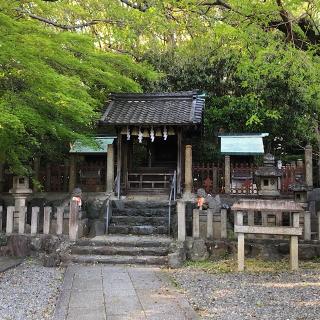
{"x": 96, "y": 292}
{"x": 9, "y": 262}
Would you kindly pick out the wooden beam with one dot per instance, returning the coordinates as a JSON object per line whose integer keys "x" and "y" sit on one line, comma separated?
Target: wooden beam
{"x": 179, "y": 164}
{"x": 289, "y": 231}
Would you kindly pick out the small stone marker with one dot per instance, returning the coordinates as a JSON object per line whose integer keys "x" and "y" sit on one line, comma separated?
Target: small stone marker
{"x": 47, "y": 220}
{"x": 181, "y": 215}
{"x": 307, "y": 225}
{"x": 223, "y": 221}
{"x": 22, "y": 219}
{"x": 10, "y": 212}
{"x": 73, "y": 220}
{"x": 196, "y": 224}
{"x": 34, "y": 220}
{"x": 59, "y": 220}
{"x": 209, "y": 224}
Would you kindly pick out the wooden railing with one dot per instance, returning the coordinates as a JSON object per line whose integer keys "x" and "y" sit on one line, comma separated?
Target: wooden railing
{"x": 149, "y": 180}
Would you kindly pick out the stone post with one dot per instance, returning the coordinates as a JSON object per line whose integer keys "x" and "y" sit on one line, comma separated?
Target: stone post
{"x": 110, "y": 168}
{"x": 72, "y": 173}
{"x": 250, "y": 223}
{"x": 1, "y": 215}
{"x": 240, "y": 242}
{"x": 22, "y": 219}
{"x": 196, "y": 224}
{"x": 209, "y": 224}
{"x": 307, "y": 225}
{"x": 308, "y": 166}
{"x": 73, "y": 220}
{"x": 188, "y": 170}
{"x": 223, "y": 221}
{"x": 181, "y": 215}
{"x": 9, "y": 227}
{"x": 227, "y": 174}
{"x": 59, "y": 230}
{"x": 34, "y": 220}
{"x": 47, "y": 220}
{"x": 318, "y": 216}
{"x": 294, "y": 262}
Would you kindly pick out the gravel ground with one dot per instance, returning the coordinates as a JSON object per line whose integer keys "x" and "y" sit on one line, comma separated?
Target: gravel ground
{"x": 266, "y": 296}
{"x": 29, "y": 291}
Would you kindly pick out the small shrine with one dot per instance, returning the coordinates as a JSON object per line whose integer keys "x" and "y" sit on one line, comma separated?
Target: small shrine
{"x": 268, "y": 177}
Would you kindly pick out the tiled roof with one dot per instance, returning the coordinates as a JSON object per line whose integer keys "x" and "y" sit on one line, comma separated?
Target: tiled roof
{"x": 180, "y": 108}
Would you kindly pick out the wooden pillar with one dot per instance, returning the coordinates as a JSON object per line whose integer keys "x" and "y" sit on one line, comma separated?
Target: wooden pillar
{"x": 240, "y": 242}
{"x": 196, "y": 224}
{"x": 308, "y": 166}
{"x": 179, "y": 162}
{"x": 124, "y": 164}
{"x": 209, "y": 223}
{"x": 223, "y": 222}
{"x": 34, "y": 220}
{"x": 188, "y": 182}
{"x": 227, "y": 174}
{"x": 119, "y": 146}
{"x": 307, "y": 225}
{"x": 294, "y": 258}
{"x": 72, "y": 172}
{"x": 36, "y": 174}
{"x": 110, "y": 168}
{"x": 1, "y": 217}
{"x": 181, "y": 215}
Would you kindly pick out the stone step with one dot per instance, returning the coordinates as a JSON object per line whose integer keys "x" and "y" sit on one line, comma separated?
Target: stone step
{"x": 146, "y": 212}
{"x": 117, "y": 250}
{"x": 126, "y": 241}
{"x": 137, "y": 230}
{"x": 120, "y": 259}
{"x": 139, "y": 204}
{"x": 138, "y": 220}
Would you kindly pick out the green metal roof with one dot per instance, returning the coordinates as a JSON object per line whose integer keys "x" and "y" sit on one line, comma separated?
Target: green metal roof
{"x": 242, "y": 144}
{"x": 103, "y": 142}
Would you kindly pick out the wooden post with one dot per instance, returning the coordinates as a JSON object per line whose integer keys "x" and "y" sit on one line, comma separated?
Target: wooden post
{"x": 240, "y": 242}
{"x": 307, "y": 225}
{"x": 22, "y": 220}
{"x": 34, "y": 220}
{"x": 227, "y": 174}
{"x": 73, "y": 220}
{"x": 119, "y": 146}
{"x": 9, "y": 227}
{"x": 47, "y": 220}
{"x": 223, "y": 221}
{"x": 181, "y": 215}
{"x": 294, "y": 262}
{"x": 110, "y": 168}
{"x": 308, "y": 166}
{"x": 59, "y": 230}
{"x": 209, "y": 224}
{"x": 1, "y": 215}
{"x": 124, "y": 154}
{"x": 179, "y": 162}
{"x": 188, "y": 182}
{"x": 196, "y": 224}
{"x": 72, "y": 172}
{"x": 318, "y": 214}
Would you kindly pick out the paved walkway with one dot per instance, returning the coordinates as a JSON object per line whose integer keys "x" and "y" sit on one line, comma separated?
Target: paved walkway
{"x": 120, "y": 293}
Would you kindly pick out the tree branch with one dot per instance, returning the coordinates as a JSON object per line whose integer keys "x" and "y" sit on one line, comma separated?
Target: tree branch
{"x": 141, "y": 7}
{"x": 69, "y": 27}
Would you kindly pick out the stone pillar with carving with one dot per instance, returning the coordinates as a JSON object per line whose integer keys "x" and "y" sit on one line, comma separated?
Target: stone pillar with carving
{"x": 110, "y": 168}
{"x": 188, "y": 171}
{"x": 227, "y": 174}
{"x": 308, "y": 166}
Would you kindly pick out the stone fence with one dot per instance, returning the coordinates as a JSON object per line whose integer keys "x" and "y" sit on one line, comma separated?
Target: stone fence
{"x": 71, "y": 223}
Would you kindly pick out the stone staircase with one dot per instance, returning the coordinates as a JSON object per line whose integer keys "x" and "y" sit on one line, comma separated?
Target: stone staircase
{"x": 140, "y": 217}
{"x": 121, "y": 249}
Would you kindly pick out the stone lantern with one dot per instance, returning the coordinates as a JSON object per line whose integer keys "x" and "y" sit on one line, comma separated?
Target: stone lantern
{"x": 20, "y": 191}
{"x": 268, "y": 177}
{"x": 300, "y": 193}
